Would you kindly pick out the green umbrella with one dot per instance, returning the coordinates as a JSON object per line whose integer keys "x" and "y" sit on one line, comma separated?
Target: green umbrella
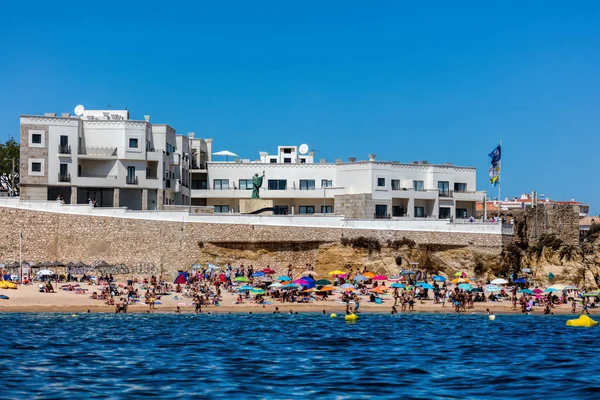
{"x": 322, "y": 282}
{"x": 594, "y": 294}
{"x": 242, "y": 279}
{"x": 258, "y": 291}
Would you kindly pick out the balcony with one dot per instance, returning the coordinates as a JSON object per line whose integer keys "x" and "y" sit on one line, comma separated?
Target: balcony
{"x": 168, "y": 183}
{"x": 64, "y": 149}
{"x": 98, "y": 152}
{"x": 468, "y": 195}
{"x": 174, "y": 159}
{"x": 64, "y": 177}
{"x": 444, "y": 193}
{"x": 132, "y": 180}
{"x": 198, "y": 167}
{"x": 151, "y": 176}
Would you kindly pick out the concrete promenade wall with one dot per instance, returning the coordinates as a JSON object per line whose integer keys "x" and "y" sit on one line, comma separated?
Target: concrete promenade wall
{"x": 127, "y": 237}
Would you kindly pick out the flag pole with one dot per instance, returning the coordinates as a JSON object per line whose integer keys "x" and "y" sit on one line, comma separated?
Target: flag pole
{"x": 21, "y": 254}
{"x": 499, "y": 183}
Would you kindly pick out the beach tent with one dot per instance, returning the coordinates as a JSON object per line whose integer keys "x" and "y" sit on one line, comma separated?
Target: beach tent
{"x": 182, "y": 278}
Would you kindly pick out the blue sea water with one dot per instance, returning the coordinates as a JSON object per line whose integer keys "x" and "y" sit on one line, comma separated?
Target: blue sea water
{"x": 296, "y": 356}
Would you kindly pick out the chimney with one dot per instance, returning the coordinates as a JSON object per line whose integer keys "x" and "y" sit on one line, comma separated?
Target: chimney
{"x": 351, "y": 159}
{"x": 323, "y": 161}
{"x": 191, "y": 135}
{"x": 49, "y": 114}
{"x": 147, "y": 118}
{"x": 372, "y": 157}
{"x": 338, "y": 160}
{"x": 66, "y": 115}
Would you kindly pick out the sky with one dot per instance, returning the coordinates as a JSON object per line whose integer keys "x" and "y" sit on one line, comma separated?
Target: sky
{"x": 438, "y": 81}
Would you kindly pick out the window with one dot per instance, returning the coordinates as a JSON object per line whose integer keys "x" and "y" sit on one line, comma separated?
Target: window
{"x": 395, "y": 184}
{"x": 287, "y": 160}
{"x": 444, "y": 213}
{"x": 36, "y": 167}
{"x": 303, "y": 161}
{"x": 306, "y": 210}
{"x": 133, "y": 143}
{"x": 380, "y": 182}
{"x": 326, "y": 209}
{"x": 418, "y": 186}
{"x": 36, "y": 138}
{"x": 460, "y": 187}
{"x": 380, "y": 211}
{"x": 307, "y": 184}
{"x": 277, "y": 184}
{"x": 287, "y": 151}
{"x": 419, "y": 212}
{"x": 221, "y": 184}
{"x": 398, "y": 211}
{"x": 326, "y": 183}
{"x": 280, "y": 210}
{"x": 221, "y": 209}
{"x": 245, "y": 184}
{"x": 273, "y": 161}
{"x": 444, "y": 188}
{"x": 461, "y": 213}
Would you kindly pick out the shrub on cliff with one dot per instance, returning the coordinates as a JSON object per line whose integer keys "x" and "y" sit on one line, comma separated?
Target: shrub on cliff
{"x": 594, "y": 228}
{"x": 396, "y": 244}
{"x": 546, "y": 240}
{"x": 362, "y": 242}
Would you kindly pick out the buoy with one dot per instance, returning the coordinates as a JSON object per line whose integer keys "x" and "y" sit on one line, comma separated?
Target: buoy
{"x": 74, "y": 315}
{"x": 333, "y": 315}
{"x": 351, "y": 317}
{"x": 492, "y": 317}
{"x": 583, "y": 320}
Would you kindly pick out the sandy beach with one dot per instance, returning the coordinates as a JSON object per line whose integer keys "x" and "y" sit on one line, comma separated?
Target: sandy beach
{"x": 29, "y": 299}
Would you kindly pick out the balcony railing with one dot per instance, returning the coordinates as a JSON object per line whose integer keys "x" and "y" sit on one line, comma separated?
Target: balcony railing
{"x": 98, "y": 151}
{"x": 150, "y": 176}
{"x": 132, "y": 180}
{"x": 86, "y": 175}
{"x": 64, "y": 177}
{"x": 198, "y": 166}
{"x": 445, "y": 193}
{"x": 64, "y": 149}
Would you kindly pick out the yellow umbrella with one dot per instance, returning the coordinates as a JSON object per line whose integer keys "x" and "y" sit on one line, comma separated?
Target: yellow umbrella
{"x": 369, "y": 275}
{"x": 459, "y": 280}
{"x": 337, "y": 272}
{"x": 327, "y": 289}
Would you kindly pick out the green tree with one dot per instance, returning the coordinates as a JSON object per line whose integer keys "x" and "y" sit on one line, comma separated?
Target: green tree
{"x": 9, "y": 152}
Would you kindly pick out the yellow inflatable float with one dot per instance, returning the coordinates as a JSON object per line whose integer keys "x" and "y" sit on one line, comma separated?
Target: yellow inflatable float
{"x": 351, "y": 317}
{"x": 7, "y": 285}
{"x": 583, "y": 320}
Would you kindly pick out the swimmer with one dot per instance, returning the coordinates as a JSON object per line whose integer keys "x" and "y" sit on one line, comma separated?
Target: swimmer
{"x": 178, "y": 310}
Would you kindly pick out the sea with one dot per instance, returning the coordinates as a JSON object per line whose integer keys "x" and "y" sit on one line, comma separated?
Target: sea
{"x": 283, "y": 356}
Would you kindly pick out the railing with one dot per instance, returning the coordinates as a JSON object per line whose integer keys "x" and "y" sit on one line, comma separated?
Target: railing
{"x": 379, "y": 216}
{"x": 132, "y": 180}
{"x": 64, "y": 149}
{"x": 64, "y": 178}
{"x": 97, "y": 176}
{"x": 445, "y": 193}
{"x": 196, "y": 166}
{"x": 149, "y": 176}
{"x": 98, "y": 151}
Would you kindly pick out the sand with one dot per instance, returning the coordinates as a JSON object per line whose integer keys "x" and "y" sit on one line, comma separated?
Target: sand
{"x": 29, "y": 299}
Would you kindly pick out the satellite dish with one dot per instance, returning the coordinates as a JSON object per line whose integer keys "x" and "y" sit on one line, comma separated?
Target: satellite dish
{"x": 79, "y": 110}
{"x": 303, "y": 148}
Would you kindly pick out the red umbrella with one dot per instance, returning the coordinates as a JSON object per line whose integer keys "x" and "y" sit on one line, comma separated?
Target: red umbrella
{"x": 379, "y": 278}
{"x": 268, "y": 271}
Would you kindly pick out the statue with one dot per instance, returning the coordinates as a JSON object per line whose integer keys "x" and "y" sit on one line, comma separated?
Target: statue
{"x": 256, "y": 184}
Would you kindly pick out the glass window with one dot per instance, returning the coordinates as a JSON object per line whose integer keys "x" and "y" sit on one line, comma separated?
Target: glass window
{"x": 245, "y": 184}
{"x": 306, "y": 210}
{"x": 287, "y": 160}
{"x": 418, "y": 185}
{"x": 221, "y": 209}
{"x": 273, "y": 161}
{"x": 280, "y": 210}
{"x": 36, "y": 138}
{"x": 221, "y": 184}
{"x": 277, "y": 184}
{"x": 444, "y": 188}
{"x": 395, "y": 184}
{"x": 36, "y": 167}
{"x": 380, "y": 211}
{"x": 420, "y": 212}
{"x": 444, "y": 213}
{"x": 287, "y": 151}
{"x": 326, "y": 183}
{"x": 307, "y": 184}
{"x": 398, "y": 211}
{"x": 303, "y": 161}
{"x": 133, "y": 143}
{"x": 326, "y": 209}
{"x": 461, "y": 213}
{"x": 380, "y": 182}
{"x": 460, "y": 187}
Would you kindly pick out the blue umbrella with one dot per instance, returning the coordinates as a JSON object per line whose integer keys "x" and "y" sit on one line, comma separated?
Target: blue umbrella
{"x": 526, "y": 291}
{"x": 465, "y": 286}
{"x": 291, "y": 286}
{"x": 212, "y": 266}
{"x": 284, "y": 278}
{"x": 197, "y": 266}
{"x": 347, "y": 286}
{"x": 425, "y": 286}
{"x": 551, "y": 290}
{"x": 397, "y": 286}
{"x": 257, "y": 274}
{"x": 246, "y": 287}
{"x": 438, "y": 278}
{"x": 520, "y": 280}
{"x": 408, "y": 272}
{"x": 360, "y": 278}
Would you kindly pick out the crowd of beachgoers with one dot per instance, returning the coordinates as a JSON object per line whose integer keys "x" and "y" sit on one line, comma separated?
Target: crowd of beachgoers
{"x": 210, "y": 286}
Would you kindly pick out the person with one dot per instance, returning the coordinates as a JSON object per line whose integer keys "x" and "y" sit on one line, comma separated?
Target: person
{"x": 356, "y": 304}
{"x": 95, "y": 203}
{"x": 178, "y": 310}
{"x": 90, "y": 202}
{"x": 585, "y": 307}
{"x": 573, "y": 306}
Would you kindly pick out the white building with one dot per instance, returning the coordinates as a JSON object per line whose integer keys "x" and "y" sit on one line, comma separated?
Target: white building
{"x": 356, "y": 189}
{"x": 103, "y": 155}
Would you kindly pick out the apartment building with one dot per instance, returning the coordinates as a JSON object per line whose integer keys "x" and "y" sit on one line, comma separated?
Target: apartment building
{"x": 106, "y": 156}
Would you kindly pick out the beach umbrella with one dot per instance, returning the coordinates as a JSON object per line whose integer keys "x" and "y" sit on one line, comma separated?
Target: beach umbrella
{"x": 369, "y": 274}
{"x": 337, "y": 272}
{"x": 378, "y": 289}
{"x": 13, "y": 265}
{"x": 258, "y": 274}
{"x": 476, "y": 290}
{"x": 520, "y": 280}
{"x": 537, "y": 291}
{"x": 551, "y": 290}
{"x": 379, "y": 278}
{"x": 458, "y": 273}
{"x": 407, "y": 273}
{"x": 558, "y": 286}
{"x": 291, "y": 286}
{"x": 45, "y": 272}
{"x": 397, "y": 286}
{"x": 526, "y": 291}
{"x": 245, "y": 287}
{"x": 459, "y": 280}
{"x": 284, "y": 278}
{"x": 492, "y": 288}
{"x": 361, "y": 278}
{"x": 327, "y": 289}
{"x": 301, "y": 281}
{"x": 426, "y": 286}
{"x": 81, "y": 264}
{"x": 225, "y": 153}
{"x": 213, "y": 266}
{"x": 350, "y": 289}
{"x": 395, "y": 278}
{"x": 242, "y": 279}
{"x": 275, "y": 285}
{"x": 499, "y": 281}
{"x": 322, "y": 282}
{"x": 56, "y": 264}
{"x": 196, "y": 266}
{"x": 465, "y": 286}
{"x": 258, "y": 291}
{"x": 438, "y": 278}
{"x": 347, "y": 286}
{"x": 570, "y": 287}
{"x": 309, "y": 290}
{"x": 268, "y": 271}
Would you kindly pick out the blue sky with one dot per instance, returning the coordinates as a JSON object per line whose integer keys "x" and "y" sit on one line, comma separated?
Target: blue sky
{"x": 438, "y": 81}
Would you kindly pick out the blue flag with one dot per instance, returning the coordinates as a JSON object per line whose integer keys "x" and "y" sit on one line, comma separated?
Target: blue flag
{"x": 496, "y": 155}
